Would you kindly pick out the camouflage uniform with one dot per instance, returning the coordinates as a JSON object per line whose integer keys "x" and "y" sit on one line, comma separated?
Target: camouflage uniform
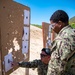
{"x": 41, "y": 67}
{"x": 62, "y": 47}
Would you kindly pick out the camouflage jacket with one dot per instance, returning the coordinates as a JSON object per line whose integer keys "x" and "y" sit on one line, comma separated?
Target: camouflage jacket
{"x": 41, "y": 67}
{"x": 62, "y": 47}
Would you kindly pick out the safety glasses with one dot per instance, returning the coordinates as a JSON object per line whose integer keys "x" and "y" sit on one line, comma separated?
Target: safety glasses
{"x": 42, "y": 55}
{"x": 53, "y": 25}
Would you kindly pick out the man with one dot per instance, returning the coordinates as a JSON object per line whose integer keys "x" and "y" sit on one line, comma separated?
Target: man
{"x": 41, "y": 64}
{"x": 63, "y": 45}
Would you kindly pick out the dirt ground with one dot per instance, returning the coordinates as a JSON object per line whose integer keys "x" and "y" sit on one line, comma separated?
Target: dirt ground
{"x": 36, "y": 44}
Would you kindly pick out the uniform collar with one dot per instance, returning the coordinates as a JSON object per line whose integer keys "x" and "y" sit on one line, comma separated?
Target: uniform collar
{"x": 63, "y": 29}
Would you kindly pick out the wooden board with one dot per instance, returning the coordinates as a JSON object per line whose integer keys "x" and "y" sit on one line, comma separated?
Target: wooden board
{"x": 46, "y": 32}
{"x": 12, "y": 23}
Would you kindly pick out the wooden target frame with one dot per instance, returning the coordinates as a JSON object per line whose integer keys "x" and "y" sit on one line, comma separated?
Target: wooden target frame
{"x": 14, "y": 35}
{"x": 46, "y": 35}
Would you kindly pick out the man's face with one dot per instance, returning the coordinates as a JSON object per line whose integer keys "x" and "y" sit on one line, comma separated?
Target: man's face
{"x": 44, "y": 57}
{"x": 56, "y": 26}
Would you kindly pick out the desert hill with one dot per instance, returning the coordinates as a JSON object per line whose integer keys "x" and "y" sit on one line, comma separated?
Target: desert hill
{"x": 36, "y": 44}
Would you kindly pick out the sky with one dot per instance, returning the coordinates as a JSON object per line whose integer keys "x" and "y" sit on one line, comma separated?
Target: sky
{"x": 41, "y": 10}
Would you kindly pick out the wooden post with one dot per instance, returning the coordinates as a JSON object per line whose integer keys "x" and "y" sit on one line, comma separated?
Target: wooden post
{"x": 27, "y": 71}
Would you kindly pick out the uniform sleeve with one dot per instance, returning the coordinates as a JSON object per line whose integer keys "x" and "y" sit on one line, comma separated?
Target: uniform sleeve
{"x": 60, "y": 52}
{"x": 31, "y": 64}
{"x": 64, "y": 49}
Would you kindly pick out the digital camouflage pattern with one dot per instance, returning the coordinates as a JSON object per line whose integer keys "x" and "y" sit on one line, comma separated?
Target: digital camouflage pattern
{"x": 62, "y": 46}
{"x": 41, "y": 67}
{"x": 70, "y": 66}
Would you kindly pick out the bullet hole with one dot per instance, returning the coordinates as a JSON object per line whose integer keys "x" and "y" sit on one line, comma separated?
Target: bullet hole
{"x": 3, "y": 6}
{"x": 7, "y": 33}
{"x": 26, "y": 17}
{"x": 26, "y": 33}
{"x": 25, "y": 46}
